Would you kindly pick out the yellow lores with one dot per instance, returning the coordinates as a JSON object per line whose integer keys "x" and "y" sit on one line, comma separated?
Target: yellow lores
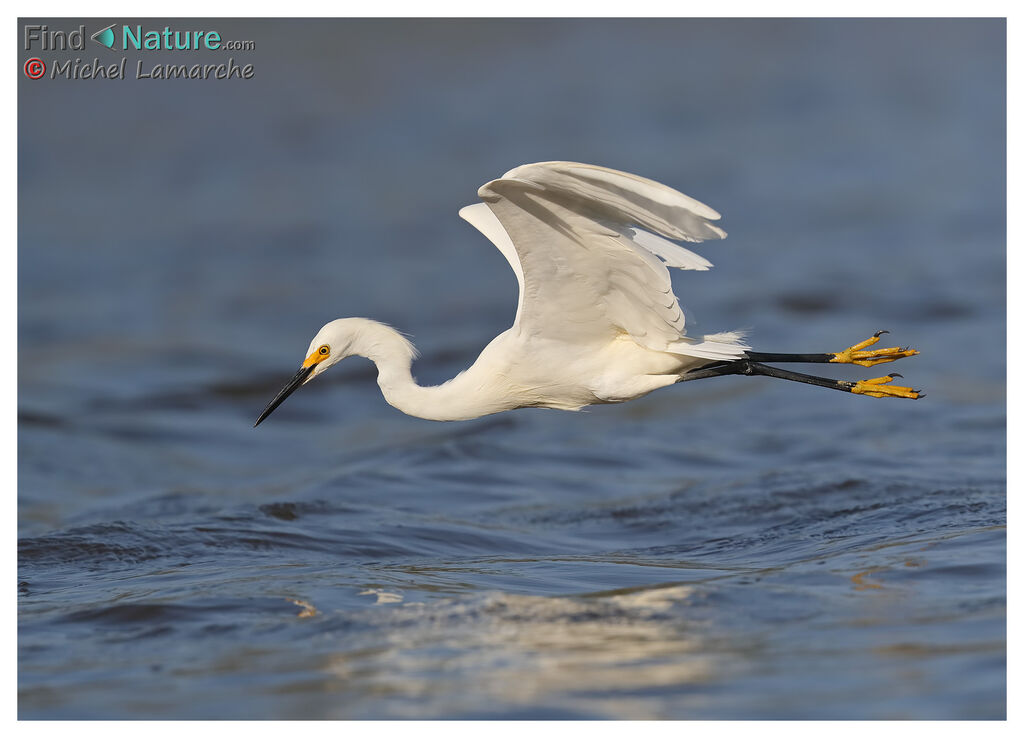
{"x": 321, "y": 354}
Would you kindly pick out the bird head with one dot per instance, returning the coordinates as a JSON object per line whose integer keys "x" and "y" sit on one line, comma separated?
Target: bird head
{"x": 330, "y": 345}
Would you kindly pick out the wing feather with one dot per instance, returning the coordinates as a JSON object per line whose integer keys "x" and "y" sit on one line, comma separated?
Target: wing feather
{"x": 591, "y": 249}
{"x": 632, "y": 199}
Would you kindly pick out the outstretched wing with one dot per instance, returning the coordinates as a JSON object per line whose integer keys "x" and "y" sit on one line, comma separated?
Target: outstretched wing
{"x": 590, "y": 247}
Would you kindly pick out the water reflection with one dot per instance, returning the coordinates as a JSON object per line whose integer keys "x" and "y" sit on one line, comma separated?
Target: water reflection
{"x": 518, "y": 650}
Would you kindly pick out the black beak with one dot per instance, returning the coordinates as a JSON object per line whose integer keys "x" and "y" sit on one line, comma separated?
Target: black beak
{"x": 293, "y": 384}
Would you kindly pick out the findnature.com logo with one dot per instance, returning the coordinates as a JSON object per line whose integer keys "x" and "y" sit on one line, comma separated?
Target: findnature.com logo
{"x": 131, "y": 38}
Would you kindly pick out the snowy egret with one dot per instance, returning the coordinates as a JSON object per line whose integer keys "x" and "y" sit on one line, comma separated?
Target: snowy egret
{"x": 597, "y": 320}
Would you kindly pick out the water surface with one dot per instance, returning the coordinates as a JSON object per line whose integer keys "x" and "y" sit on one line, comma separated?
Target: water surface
{"x": 736, "y": 548}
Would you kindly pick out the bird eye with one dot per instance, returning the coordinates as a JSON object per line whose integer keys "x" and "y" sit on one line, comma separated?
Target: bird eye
{"x": 324, "y": 350}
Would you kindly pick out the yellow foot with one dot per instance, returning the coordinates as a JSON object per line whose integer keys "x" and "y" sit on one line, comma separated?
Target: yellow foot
{"x": 856, "y": 354}
{"x": 880, "y": 387}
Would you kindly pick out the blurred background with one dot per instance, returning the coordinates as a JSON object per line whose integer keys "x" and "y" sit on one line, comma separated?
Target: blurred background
{"x": 738, "y": 548}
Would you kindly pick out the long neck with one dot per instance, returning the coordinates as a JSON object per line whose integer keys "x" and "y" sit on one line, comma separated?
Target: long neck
{"x": 460, "y": 398}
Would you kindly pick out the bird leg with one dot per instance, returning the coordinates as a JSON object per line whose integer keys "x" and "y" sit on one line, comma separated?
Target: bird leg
{"x": 878, "y": 387}
{"x": 855, "y": 354}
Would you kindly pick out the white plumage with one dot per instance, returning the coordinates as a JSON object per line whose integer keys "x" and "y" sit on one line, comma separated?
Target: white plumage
{"x": 597, "y": 319}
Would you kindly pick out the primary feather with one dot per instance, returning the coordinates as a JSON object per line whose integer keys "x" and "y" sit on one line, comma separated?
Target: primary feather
{"x": 590, "y": 247}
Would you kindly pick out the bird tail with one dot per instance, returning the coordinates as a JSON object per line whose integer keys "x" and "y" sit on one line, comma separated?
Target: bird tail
{"x": 715, "y": 346}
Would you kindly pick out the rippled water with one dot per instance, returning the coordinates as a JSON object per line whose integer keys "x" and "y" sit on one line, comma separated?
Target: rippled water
{"x": 737, "y": 548}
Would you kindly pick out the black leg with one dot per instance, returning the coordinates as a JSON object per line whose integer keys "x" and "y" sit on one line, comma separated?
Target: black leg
{"x": 860, "y": 354}
{"x": 872, "y": 387}
{"x": 792, "y": 358}
{"x": 752, "y": 368}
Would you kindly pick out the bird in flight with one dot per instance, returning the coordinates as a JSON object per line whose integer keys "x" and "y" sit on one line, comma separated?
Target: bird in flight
{"x": 597, "y": 320}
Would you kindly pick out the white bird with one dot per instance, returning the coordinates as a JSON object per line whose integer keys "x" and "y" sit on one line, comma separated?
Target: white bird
{"x": 597, "y": 320}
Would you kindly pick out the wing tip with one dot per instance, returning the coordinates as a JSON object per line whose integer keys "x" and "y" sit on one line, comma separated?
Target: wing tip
{"x": 720, "y": 233}
{"x": 593, "y": 173}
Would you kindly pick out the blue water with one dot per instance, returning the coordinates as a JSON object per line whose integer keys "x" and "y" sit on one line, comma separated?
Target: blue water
{"x": 735, "y": 548}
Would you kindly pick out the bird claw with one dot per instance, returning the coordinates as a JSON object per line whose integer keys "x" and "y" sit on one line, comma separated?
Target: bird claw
{"x": 881, "y": 387}
{"x": 857, "y": 355}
